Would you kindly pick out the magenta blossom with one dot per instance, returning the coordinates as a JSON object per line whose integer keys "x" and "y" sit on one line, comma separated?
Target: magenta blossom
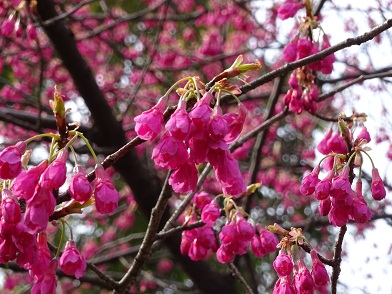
{"x": 341, "y": 186}
{"x": 47, "y": 283}
{"x": 106, "y": 196}
{"x": 377, "y": 187}
{"x": 184, "y": 179}
{"x": 364, "y": 134}
{"x": 10, "y": 160}
{"x": 56, "y": 173}
{"x": 235, "y": 123}
{"x": 149, "y": 123}
{"x": 288, "y": 9}
{"x": 169, "y": 153}
{"x": 201, "y": 112}
{"x": 179, "y": 124}
{"x": 283, "y": 264}
{"x": 323, "y": 145}
{"x": 322, "y": 189}
{"x": 319, "y": 273}
{"x": 71, "y": 261}
{"x": 309, "y": 182}
{"x": 80, "y": 188}
{"x": 24, "y": 184}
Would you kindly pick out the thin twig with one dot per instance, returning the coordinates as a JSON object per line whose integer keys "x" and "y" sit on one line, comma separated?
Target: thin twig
{"x": 151, "y": 235}
{"x": 337, "y": 259}
{"x": 236, "y": 273}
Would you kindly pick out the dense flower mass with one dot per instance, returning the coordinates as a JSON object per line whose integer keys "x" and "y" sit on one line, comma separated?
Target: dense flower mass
{"x": 232, "y": 142}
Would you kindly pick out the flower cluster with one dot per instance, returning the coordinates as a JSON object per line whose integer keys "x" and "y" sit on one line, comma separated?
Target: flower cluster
{"x": 303, "y": 92}
{"x": 195, "y": 136}
{"x": 15, "y": 21}
{"x": 28, "y": 201}
{"x": 297, "y": 278}
{"x": 235, "y": 236}
{"x": 337, "y": 199}
{"x": 294, "y": 276}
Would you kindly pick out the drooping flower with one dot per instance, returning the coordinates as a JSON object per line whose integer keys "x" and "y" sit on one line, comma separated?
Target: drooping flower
{"x": 309, "y": 182}
{"x": 24, "y": 184}
{"x": 106, "y": 196}
{"x": 179, "y": 124}
{"x": 364, "y": 134}
{"x": 80, "y": 188}
{"x": 47, "y": 283}
{"x": 303, "y": 279}
{"x": 71, "y": 261}
{"x": 283, "y": 264}
{"x": 55, "y": 175}
{"x": 377, "y": 186}
{"x": 201, "y": 112}
{"x": 169, "y": 153}
{"x": 323, "y": 145}
{"x": 10, "y": 208}
{"x": 210, "y": 213}
{"x": 184, "y": 179}
{"x": 10, "y": 161}
{"x": 288, "y": 9}
{"x": 235, "y": 123}
{"x": 322, "y": 189}
{"x": 217, "y": 126}
{"x": 341, "y": 186}
{"x": 319, "y": 272}
{"x": 149, "y": 123}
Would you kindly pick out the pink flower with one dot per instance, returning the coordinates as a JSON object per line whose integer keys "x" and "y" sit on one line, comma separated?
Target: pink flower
{"x": 71, "y": 261}
{"x": 303, "y": 279}
{"x": 184, "y": 179}
{"x": 210, "y": 213}
{"x": 268, "y": 240}
{"x": 284, "y": 285}
{"x": 201, "y": 112}
{"x": 360, "y": 211}
{"x": 322, "y": 189}
{"x": 10, "y": 209}
{"x": 319, "y": 273}
{"x": 323, "y": 145}
{"x": 245, "y": 230}
{"x": 341, "y": 186}
{"x": 56, "y": 173}
{"x": 47, "y": 283}
{"x": 10, "y": 161}
{"x": 179, "y": 124}
{"x": 327, "y": 63}
{"x": 217, "y": 126}
{"x": 364, "y": 134}
{"x": 24, "y": 184}
{"x": 7, "y": 27}
{"x": 201, "y": 199}
{"x": 149, "y": 123}
{"x": 290, "y": 51}
{"x": 8, "y": 250}
{"x": 224, "y": 255}
{"x": 106, "y": 196}
{"x": 377, "y": 187}
{"x": 43, "y": 257}
{"x": 338, "y": 216}
{"x": 235, "y": 123}
{"x": 337, "y": 144}
{"x": 304, "y": 48}
{"x": 325, "y": 206}
{"x": 39, "y": 208}
{"x": 169, "y": 153}
{"x": 309, "y": 182}
{"x": 229, "y": 175}
{"x": 80, "y": 188}
{"x": 288, "y": 9}
{"x": 283, "y": 264}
